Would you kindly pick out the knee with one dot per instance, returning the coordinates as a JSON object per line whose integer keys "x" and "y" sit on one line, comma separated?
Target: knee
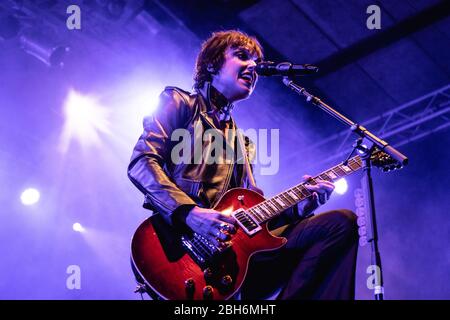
{"x": 344, "y": 220}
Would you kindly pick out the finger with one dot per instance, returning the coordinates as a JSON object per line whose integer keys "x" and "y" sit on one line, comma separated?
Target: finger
{"x": 227, "y": 223}
{"x": 322, "y": 198}
{"x": 311, "y": 187}
{"x": 220, "y": 235}
{"x": 227, "y": 227}
{"x": 223, "y": 217}
{"x": 307, "y": 177}
{"x": 321, "y": 187}
{"x": 219, "y": 225}
{"x": 326, "y": 189}
{"x": 315, "y": 197}
{"x": 324, "y": 182}
{"x": 223, "y": 231}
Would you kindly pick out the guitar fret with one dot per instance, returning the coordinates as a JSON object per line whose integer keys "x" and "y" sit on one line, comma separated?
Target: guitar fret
{"x": 289, "y": 201}
{"x": 305, "y": 192}
{"x": 265, "y": 209}
{"x": 354, "y": 165}
{"x": 332, "y": 174}
{"x": 272, "y": 205}
{"x": 293, "y": 195}
{"x": 346, "y": 168}
{"x": 280, "y": 202}
{"x": 259, "y": 210}
{"x": 269, "y": 208}
{"x": 339, "y": 172}
{"x": 325, "y": 177}
{"x": 255, "y": 215}
{"x": 297, "y": 193}
{"x": 261, "y": 213}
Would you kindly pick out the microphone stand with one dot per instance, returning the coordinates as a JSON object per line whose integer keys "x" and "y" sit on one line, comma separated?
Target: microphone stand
{"x": 366, "y": 144}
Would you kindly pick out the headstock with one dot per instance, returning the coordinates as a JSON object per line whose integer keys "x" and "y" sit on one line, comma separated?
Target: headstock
{"x": 384, "y": 161}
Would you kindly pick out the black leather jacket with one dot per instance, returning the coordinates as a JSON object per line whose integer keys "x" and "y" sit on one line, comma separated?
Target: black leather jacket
{"x": 168, "y": 186}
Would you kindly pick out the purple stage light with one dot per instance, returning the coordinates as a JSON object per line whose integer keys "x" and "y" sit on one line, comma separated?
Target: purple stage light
{"x": 30, "y": 196}
{"x": 77, "y": 227}
{"x": 85, "y": 119}
{"x": 341, "y": 186}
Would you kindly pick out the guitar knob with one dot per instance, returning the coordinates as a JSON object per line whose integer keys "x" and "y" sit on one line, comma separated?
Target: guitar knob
{"x": 189, "y": 286}
{"x": 227, "y": 281}
{"x": 208, "y": 292}
{"x": 207, "y": 273}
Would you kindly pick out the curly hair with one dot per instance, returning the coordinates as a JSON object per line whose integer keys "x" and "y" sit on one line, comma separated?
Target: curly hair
{"x": 212, "y": 53}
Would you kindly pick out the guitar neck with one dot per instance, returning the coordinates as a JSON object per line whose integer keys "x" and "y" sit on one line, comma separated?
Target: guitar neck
{"x": 274, "y": 206}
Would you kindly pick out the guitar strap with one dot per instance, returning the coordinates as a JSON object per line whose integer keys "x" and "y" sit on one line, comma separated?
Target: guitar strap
{"x": 248, "y": 169}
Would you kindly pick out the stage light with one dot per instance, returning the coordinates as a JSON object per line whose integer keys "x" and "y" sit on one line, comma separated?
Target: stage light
{"x": 341, "y": 186}
{"x": 30, "y": 196}
{"x": 44, "y": 47}
{"x": 146, "y": 103}
{"x": 77, "y": 227}
{"x": 85, "y": 119}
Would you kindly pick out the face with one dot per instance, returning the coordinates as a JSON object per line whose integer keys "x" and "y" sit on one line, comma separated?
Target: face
{"x": 237, "y": 77}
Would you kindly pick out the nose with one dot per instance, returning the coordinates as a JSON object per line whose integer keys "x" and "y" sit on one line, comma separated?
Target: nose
{"x": 251, "y": 65}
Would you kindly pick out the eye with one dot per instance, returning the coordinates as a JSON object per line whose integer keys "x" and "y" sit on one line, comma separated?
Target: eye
{"x": 242, "y": 55}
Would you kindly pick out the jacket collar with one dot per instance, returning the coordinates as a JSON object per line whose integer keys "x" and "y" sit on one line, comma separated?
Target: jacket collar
{"x": 216, "y": 102}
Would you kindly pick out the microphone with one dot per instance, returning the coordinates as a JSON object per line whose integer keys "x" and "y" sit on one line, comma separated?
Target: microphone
{"x": 269, "y": 68}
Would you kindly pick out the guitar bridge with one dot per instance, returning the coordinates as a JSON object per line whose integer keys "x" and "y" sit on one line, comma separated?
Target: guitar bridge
{"x": 246, "y": 221}
{"x": 200, "y": 249}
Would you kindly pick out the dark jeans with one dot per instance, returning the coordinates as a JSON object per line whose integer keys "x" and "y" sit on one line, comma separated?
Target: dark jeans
{"x": 318, "y": 261}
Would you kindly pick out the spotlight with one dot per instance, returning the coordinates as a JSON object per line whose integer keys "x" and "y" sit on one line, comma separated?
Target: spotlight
{"x": 85, "y": 118}
{"x": 77, "y": 227}
{"x": 341, "y": 186}
{"x": 43, "y": 47}
{"x": 30, "y": 196}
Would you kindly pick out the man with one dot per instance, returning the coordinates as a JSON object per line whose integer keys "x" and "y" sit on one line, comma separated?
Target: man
{"x": 319, "y": 259}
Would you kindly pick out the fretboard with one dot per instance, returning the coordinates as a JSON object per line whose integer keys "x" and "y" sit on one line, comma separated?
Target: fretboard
{"x": 274, "y": 206}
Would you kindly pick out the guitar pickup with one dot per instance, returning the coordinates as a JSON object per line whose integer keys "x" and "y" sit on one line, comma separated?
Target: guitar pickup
{"x": 246, "y": 221}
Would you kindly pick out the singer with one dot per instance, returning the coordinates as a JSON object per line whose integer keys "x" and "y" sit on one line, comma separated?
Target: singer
{"x": 319, "y": 259}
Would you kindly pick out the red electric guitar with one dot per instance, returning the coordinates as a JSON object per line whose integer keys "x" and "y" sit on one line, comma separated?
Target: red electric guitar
{"x": 183, "y": 266}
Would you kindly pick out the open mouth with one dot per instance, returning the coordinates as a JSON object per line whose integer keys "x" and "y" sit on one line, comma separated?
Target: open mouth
{"x": 247, "y": 77}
